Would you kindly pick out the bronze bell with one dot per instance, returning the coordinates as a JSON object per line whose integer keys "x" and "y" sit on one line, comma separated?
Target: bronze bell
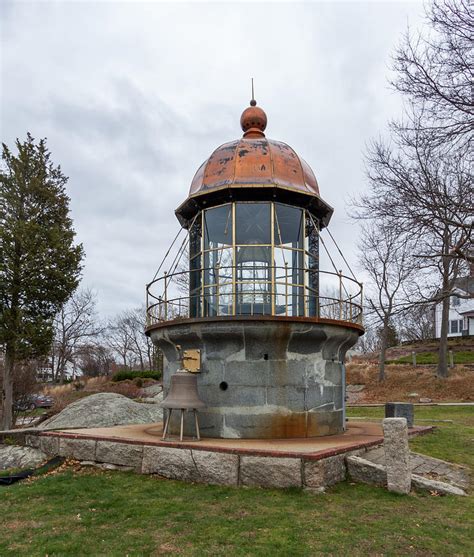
{"x": 183, "y": 395}
{"x": 183, "y": 392}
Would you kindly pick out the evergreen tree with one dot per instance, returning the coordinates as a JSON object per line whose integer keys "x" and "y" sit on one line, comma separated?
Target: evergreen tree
{"x": 39, "y": 265}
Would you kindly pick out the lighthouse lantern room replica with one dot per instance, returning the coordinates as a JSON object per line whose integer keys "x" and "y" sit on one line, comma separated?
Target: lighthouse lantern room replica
{"x": 251, "y": 313}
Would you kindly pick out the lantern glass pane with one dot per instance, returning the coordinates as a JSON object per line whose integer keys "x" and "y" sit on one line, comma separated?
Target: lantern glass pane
{"x": 218, "y": 227}
{"x": 253, "y": 223}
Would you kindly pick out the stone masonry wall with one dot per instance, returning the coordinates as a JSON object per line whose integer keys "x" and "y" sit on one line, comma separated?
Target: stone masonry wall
{"x": 203, "y": 466}
{"x": 262, "y": 379}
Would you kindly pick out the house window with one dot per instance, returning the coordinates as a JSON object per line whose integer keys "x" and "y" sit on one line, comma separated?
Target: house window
{"x": 455, "y": 326}
{"x": 455, "y": 301}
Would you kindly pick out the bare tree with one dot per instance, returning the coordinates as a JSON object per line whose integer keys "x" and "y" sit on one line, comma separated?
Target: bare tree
{"x": 125, "y": 336}
{"x": 416, "y": 322}
{"x": 424, "y": 194}
{"x": 435, "y": 70}
{"x": 117, "y": 337}
{"x": 96, "y": 360}
{"x": 386, "y": 257}
{"x": 75, "y": 325}
{"x": 369, "y": 342}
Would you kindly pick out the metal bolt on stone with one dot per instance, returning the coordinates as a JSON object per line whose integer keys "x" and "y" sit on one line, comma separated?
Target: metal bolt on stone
{"x": 397, "y": 455}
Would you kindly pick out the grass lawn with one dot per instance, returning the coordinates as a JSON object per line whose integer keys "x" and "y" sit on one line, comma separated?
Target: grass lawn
{"x": 450, "y": 441}
{"x": 90, "y": 512}
{"x": 423, "y": 358}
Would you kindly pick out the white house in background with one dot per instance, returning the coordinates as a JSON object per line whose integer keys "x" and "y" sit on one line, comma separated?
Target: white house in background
{"x": 44, "y": 372}
{"x": 461, "y": 310}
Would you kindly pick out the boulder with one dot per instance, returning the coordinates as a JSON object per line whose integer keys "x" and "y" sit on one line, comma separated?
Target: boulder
{"x": 152, "y": 390}
{"x": 103, "y": 410}
{"x": 13, "y": 456}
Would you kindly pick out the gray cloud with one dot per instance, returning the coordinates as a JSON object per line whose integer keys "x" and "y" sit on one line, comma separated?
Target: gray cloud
{"x": 134, "y": 96}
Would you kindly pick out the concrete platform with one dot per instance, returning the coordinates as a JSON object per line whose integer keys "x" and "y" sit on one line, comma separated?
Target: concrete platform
{"x": 312, "y": 463}
{"x": 359, "y": 435}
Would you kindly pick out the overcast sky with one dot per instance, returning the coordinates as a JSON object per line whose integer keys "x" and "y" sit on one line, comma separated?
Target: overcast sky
{"x": 133, "y": 96}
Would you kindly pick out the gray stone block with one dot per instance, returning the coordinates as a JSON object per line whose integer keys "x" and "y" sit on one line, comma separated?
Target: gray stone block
{"x": 119, "y": 453}
{"x": 426, "y": 484}
{"x": 80, "y": 449}
{"x": 307, "y": 340}
{"x": 338, "y": 342}
{"x": 364, "y": 471}
{"x": 223, "y": 345}
{"x": 176, "y": 464}
{"x": 248, "y": 425}
{"x": 320, "y": 397}
{"x": 333, "y": 372}
{"x": 270, "y": 471}
{"x": 323, "y": 473}
{"x": 211, "y": 425}
{"x": 212, "y": 373}
{"x": 298, "y": 373}
{"x": 247, "y": 373}
{"x": 264, "y": 338}
{"x": 216, "y": 468}
{"x": 234, "y": 395}
{"x": 49, "y": 445}
{"x": 326, "y": 422}
{"x": 32, "y": 441}
{"x": 397, "y": 454}
{"x": 290, "y": 397}
{"x": 400, "y": 410}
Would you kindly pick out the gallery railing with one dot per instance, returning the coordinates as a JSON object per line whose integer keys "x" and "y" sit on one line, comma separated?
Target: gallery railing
{"x": 253, "y": 290}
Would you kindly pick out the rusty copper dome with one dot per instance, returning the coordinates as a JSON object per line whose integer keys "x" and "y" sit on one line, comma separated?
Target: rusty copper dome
{"x": 257, "y": 163}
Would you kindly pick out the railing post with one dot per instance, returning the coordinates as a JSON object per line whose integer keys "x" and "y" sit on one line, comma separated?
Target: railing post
{"x": 217, "y": 289}
{"x": 340, "y": 294}
{"x": 286, "y": 287}
{"x": 166, "y": 295}
{"x": 147, "y": 318}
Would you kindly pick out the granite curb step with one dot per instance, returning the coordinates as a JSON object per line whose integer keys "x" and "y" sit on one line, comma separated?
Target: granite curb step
{"x": 365, "y": 471}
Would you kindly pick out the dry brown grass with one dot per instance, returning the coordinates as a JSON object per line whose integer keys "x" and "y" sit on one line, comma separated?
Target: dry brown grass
{"x": 66, "y": 394}
{"x": 402, "y": 380}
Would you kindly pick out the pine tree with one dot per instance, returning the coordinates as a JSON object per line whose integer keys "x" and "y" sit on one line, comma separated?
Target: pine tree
{"x": 40, "y": 265}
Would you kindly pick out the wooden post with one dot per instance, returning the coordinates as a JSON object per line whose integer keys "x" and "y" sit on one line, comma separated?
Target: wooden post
{"x": 413, "y": 357}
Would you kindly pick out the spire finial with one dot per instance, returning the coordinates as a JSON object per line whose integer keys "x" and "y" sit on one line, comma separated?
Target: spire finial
{"x": 253, "y": 102}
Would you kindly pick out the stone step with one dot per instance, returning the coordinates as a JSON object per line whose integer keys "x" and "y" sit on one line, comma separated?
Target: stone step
{"x": 366, "y": 471}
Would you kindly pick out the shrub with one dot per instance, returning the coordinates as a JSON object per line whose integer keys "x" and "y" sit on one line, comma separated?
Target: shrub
{"x": 126, "y": 388}
{"x": 131, "y": 375}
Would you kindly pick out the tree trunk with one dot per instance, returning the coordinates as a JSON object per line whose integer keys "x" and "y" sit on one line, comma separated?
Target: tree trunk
{"x": 149, "y": 353}
{"x": 383, "y": 350}
{"x": 442, "y": 370}
{"x": 7, "y": 390}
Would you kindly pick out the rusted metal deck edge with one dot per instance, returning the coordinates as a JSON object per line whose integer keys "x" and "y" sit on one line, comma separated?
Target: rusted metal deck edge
{"x": 254, "y": 318}
{"x": 202, "y": 446}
